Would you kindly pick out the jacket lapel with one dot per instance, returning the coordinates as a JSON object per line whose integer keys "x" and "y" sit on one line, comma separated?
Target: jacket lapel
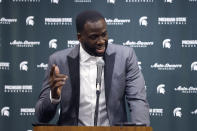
{"x": 73, "y": 64}
{"x": 108, "y": 71}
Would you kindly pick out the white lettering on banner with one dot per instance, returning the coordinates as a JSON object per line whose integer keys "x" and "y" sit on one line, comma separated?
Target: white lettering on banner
{"x": 168, "y": 1}
{"x": 192, "y": 0}
{"x": 55, "y": 1}
{"x": 42, "y": 65}
{"x": 58, "y": 21}
{"x": 72, "y": 43}
{"x": 172, "y": 20}
{"x": 156, "y": 112}
{"x": 25, "y": 43}
{"x": 138, "y": 44}
{"x": 27, "y": 111}
{"x": 31, "y": 1}
{"x": 18, "y": 88}
{"x": 166, "y": 66}
{"x": 117, "y": 21}
{"x": 7, "y": 21}
{"x": 111, "y": 1}
{"x": 82, "y": 1}
{"x": 139, "y": 1}
{"x": 189, "y": 43}
{"x": 187, "y": 90}
{"x": 4, "y": 65}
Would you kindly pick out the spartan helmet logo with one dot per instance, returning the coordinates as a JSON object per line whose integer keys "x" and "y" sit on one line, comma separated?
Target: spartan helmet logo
{"x": 52, "y": 43}
{"x": 55, "y": 1}
{"x": 23, "y": 66}
{"x": 30, "y": 20}
{"x": 177, "y": 112}
{"x": 194, "y": 66}
{"x": 194, "y": 112}
{"x": 168, "y": 1}
{"x": 139, "y": 65}
{"x": 166, "y": 43}
{"x": 5, "y": 111}
{"x": 111, "y": 1}
{"x": 110, "y": 41}
{"x": 160, "y": 89}
{"x": 143, "y": 21}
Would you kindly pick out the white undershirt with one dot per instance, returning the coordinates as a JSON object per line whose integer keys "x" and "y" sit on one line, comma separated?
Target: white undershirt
{"x": 88, "y": 73}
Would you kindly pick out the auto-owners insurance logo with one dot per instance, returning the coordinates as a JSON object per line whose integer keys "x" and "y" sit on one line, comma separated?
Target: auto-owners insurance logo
{"x": 166, "y": 66}
{"x": 117, "y": 21}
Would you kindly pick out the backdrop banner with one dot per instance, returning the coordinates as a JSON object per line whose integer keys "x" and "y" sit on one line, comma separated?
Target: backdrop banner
{"x": 162, "y": 32}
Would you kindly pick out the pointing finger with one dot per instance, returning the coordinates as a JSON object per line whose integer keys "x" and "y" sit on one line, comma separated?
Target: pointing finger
{"x": 56, "y": 70}
{"x": 52, "y": 70}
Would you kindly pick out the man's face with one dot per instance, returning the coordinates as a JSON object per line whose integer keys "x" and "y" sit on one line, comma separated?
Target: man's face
{"x": 94, "y": 38}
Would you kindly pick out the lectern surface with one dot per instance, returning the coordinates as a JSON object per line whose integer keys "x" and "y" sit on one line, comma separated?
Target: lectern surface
{"x": 89, "y": 128}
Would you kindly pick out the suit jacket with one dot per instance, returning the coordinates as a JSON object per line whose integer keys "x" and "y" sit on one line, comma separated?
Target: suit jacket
{"x": 122, "y": 77}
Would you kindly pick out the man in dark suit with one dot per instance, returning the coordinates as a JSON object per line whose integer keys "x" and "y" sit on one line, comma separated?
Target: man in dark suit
{"x": 70, "y": 80}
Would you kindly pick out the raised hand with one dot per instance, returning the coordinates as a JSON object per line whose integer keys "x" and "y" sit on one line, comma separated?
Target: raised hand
{"x": 56, "y": 81}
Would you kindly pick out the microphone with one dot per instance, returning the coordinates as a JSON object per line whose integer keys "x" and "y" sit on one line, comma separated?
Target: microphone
{"x": 100, "y": 64}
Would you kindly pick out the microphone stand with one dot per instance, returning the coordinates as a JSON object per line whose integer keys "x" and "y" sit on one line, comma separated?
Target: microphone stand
{"x": 100, "y": 65}
{"x": 98, "y": 92}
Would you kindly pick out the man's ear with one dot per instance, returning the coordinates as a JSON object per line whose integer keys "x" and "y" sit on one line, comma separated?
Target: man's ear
{"x": 79, "y": 37}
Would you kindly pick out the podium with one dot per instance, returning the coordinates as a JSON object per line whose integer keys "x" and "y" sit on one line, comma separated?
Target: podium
{"x": 90, "y": 128}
